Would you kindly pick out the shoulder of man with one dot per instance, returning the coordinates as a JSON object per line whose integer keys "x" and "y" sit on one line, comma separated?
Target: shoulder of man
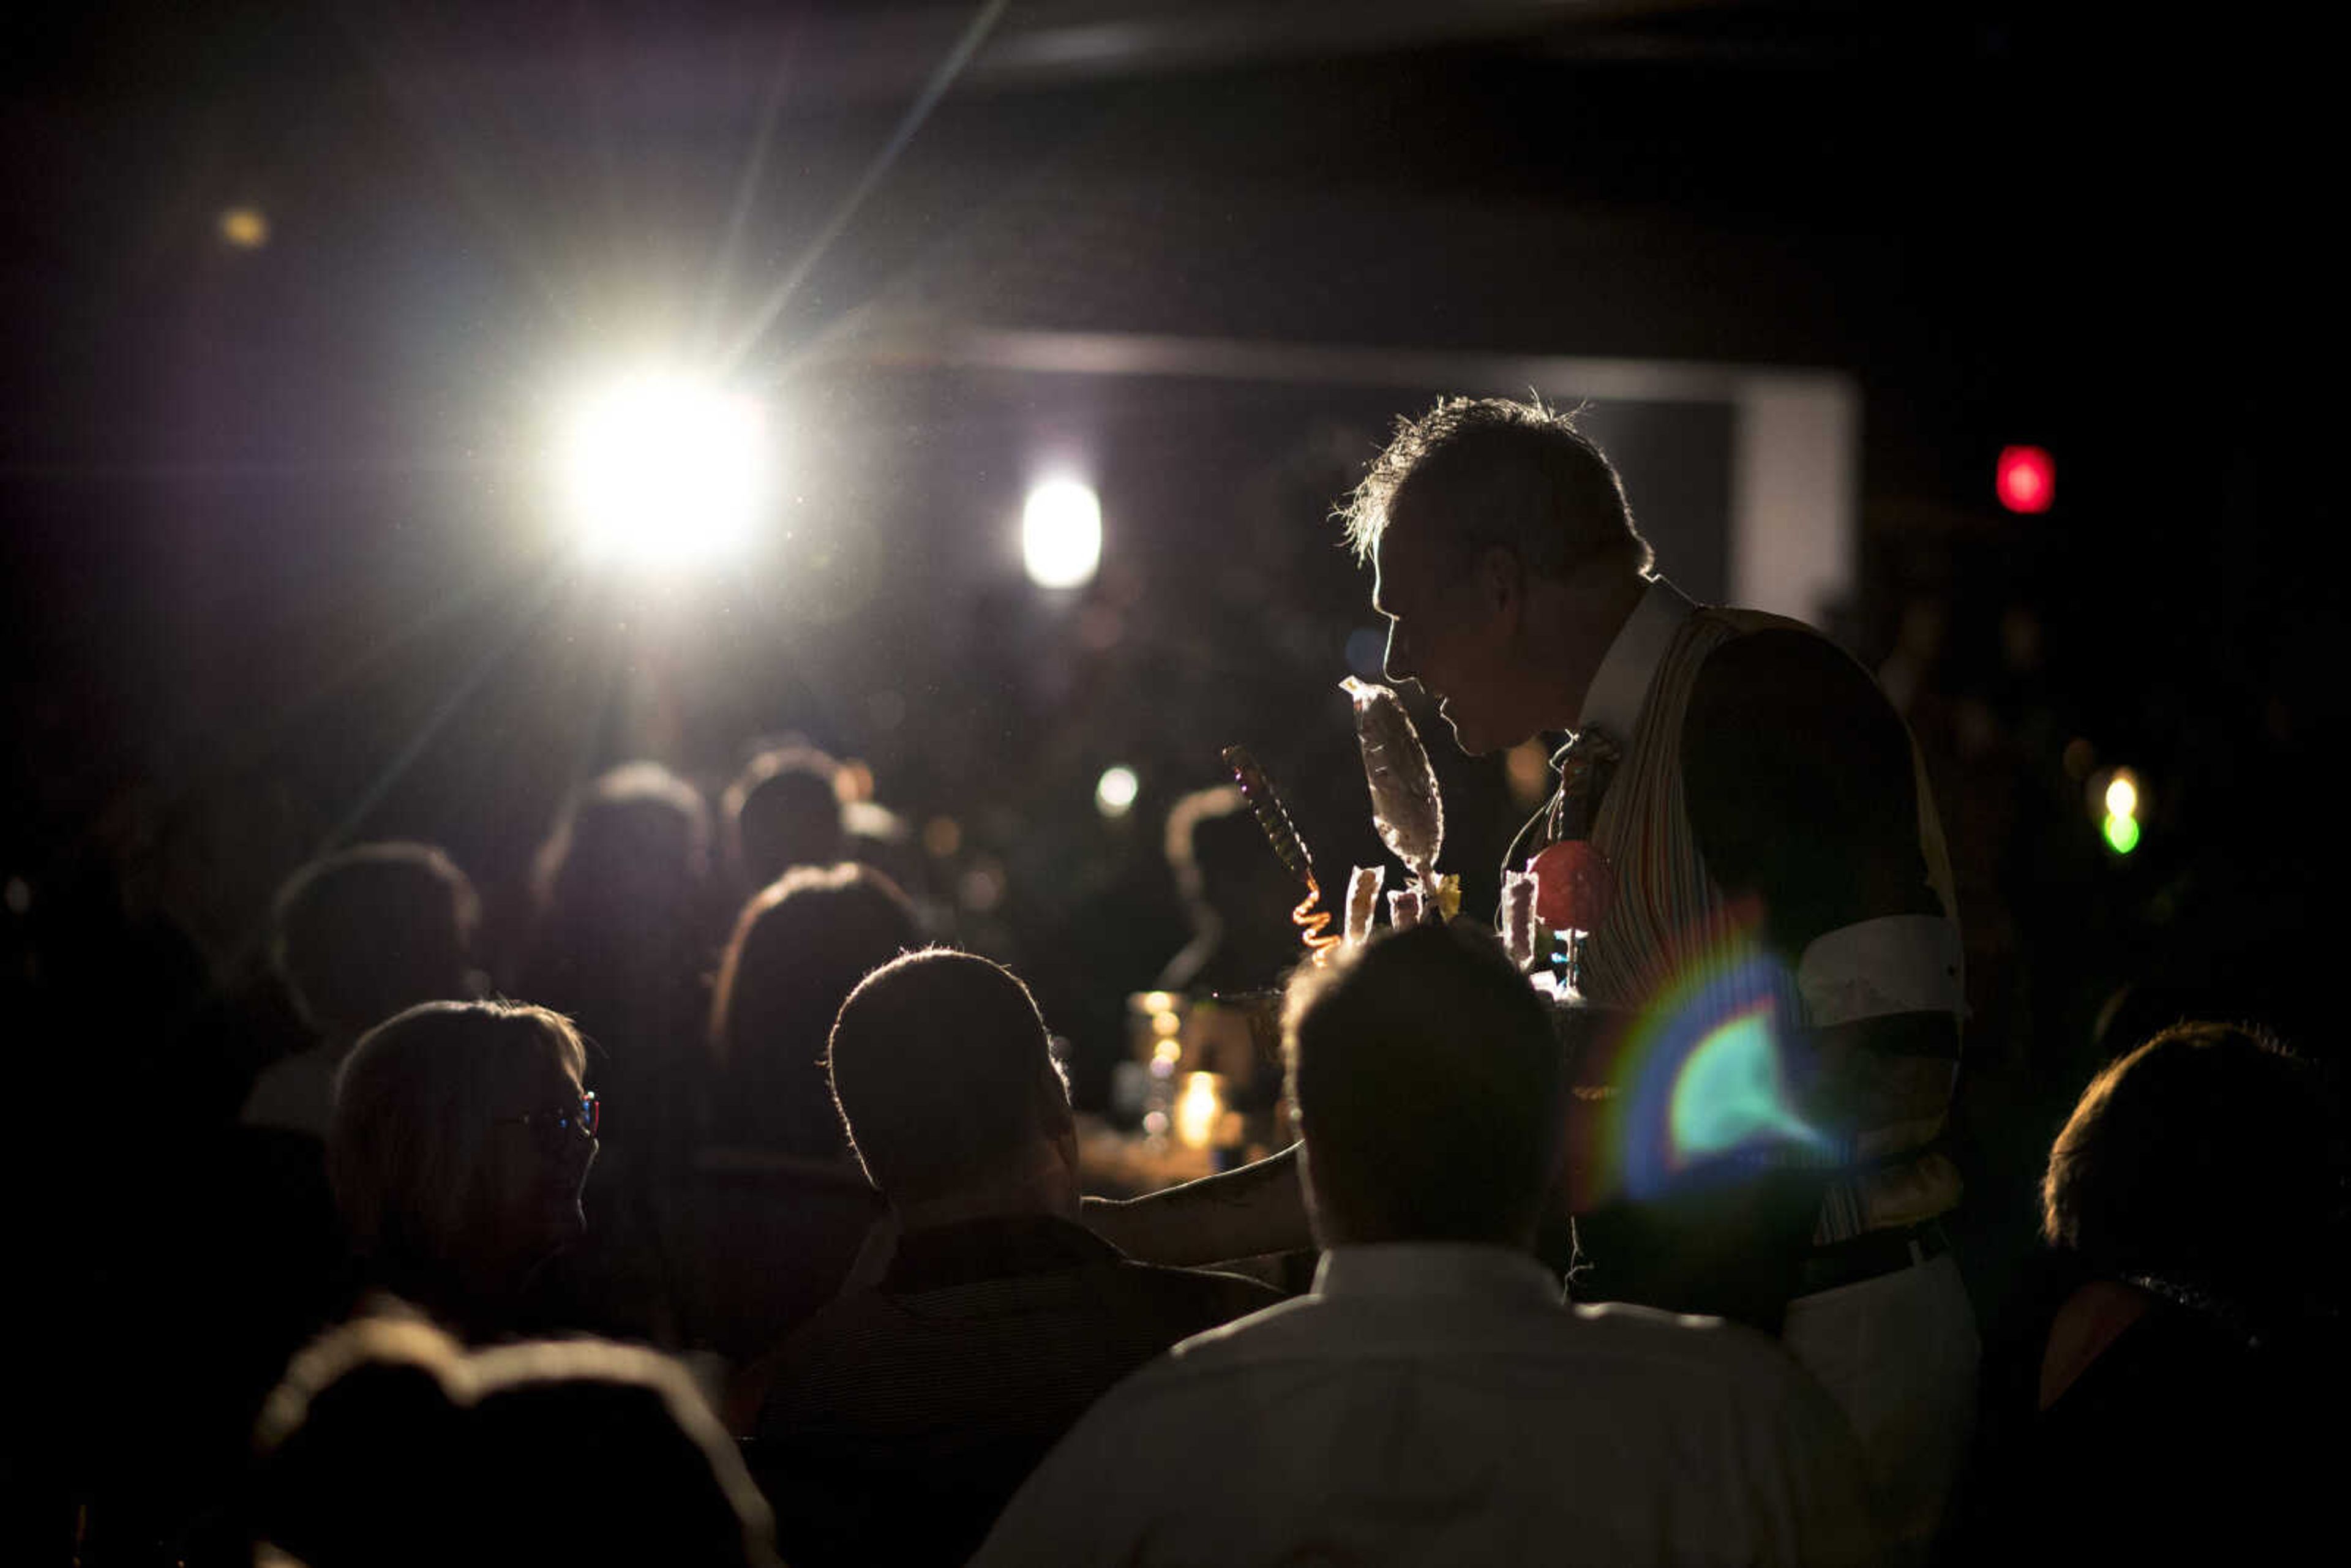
{"x": 1800, "y": 784}
{"x": 1792, "y": 1439}
{"x": 1213, "y": 1290}
{"x": 1790, "y": 670}
{"x": 1115, "y": 1474}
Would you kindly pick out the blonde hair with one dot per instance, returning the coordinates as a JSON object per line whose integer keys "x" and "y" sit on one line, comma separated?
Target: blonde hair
{"x": 413, "y": 1112}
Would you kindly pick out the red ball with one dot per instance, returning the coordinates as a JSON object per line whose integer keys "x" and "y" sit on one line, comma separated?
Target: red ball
{"x": 1574, "y": 886}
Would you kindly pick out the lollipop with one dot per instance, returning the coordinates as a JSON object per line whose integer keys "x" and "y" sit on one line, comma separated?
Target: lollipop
{"x": 1310, "y": 919}
{"x": 1363, "y": 901}
{"x": 1574, "y": 886}
{"x": 1519, "y": 917}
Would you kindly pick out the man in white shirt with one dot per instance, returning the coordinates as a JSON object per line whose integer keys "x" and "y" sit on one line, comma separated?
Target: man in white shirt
{"x": 1434, "y": 1400}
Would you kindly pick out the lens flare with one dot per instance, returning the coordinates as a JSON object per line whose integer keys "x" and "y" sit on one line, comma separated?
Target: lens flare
{"x": 1729, "y": 1090}
{"x": 1705, "y": 1082}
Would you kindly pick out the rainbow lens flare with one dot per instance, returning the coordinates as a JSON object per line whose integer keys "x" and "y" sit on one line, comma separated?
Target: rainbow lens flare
{"x": 1707, "y": 1081}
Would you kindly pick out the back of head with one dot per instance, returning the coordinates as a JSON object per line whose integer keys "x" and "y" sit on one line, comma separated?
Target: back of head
{"x": 414, "y": 1106}
{"x": 1428, "y": 1087}
{"x": 1217, "y": 853}
{"x": 785, "y": 810}
{"x": 362, "y": 932}
{"x": 1491, "y": 471}
{"x": 2209, "y": 1157}
{"x": 942, "y": 1069}
{"x": 799, "y": 949}
{"x": 389, "y": 1443}
{"x": 635, "y": 846}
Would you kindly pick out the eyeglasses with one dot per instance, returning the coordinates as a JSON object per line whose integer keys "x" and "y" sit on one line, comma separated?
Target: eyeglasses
{"x": 582, "y": 1122}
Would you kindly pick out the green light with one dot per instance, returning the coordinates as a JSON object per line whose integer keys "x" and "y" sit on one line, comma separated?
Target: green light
{"x": 1728, "y": 1091}
{"x": 2122, "y": 833}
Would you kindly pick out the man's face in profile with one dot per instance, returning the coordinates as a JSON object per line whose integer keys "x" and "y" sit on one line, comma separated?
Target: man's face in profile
{"x": 1445, "y": 632}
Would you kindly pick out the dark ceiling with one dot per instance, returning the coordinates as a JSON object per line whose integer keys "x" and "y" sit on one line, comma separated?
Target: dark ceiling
{"x": 2012, "y": 221}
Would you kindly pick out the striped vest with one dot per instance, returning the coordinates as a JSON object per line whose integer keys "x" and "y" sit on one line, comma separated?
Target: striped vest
{"x": 1668, "y": 913}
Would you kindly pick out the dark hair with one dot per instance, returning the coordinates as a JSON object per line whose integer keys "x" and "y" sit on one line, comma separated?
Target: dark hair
{"x": 1504, "y": 473}
{"x": 1217, "y": 852}
{"x": 638, "y": 833}
{"x": 364, "y": 932}
{"x": 2210, "y": 1155}
{"x": 784, "y": 809}
{"x": 1429, "y": 1089}
{"x": 619, "y": 937}
{"x": 799, "y": 949}
{"x": 942, "y": 1069}
{"x": 389, "y": 1443}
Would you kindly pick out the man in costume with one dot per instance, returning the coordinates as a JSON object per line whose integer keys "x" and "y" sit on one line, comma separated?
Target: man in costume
{"x": 1734, "y": 785}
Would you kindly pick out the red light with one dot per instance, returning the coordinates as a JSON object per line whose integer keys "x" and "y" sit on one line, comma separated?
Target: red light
{"x": 2027, "y": 480}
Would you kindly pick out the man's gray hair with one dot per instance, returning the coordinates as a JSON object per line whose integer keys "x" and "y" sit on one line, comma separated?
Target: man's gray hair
{"x": 1519, "y": 474}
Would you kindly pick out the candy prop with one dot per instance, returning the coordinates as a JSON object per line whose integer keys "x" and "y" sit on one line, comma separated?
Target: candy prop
{"x": 1574, "y": 886}
{"x": 1363, "y": 900}
{"x": 1519, "y": 917}
{"x": 1404, "y": 909}
{"x": 1310, "y": 919}
{"x": 1405, "y": 807}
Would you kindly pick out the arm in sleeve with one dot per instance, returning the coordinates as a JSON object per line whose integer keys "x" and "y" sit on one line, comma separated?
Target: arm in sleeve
{"x": 1241, "y": 1213}
{"x": 1803, "y": 791}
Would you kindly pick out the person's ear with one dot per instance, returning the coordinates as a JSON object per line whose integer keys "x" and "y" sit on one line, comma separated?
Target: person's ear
{"x": 1501, "y": 579}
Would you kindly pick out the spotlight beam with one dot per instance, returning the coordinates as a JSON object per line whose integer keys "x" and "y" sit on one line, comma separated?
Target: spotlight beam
{"x": 747, "y": 196}
{"x": 434, "y": 722}
{"x": 974, "y": 34}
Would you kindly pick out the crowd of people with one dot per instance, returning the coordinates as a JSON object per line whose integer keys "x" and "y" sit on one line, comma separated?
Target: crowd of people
{"x": 746, "y": 1222}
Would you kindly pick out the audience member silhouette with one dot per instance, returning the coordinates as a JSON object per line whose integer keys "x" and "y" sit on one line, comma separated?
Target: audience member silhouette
{"x": 1237, "y": 896}
{"x": 388, "y": 1446}
{"x": 461, "y": 1138}
{"x": 799, "y": 949}
{"x": 357, "y": 936}
{"x": 617, "y": 938}
{"x": 784, "y": 809}
{"x": 252, "y": 1250}
{"x": 621, "y": 943}
{"x": 892, "y": 1426}
{"x": 1434, "y": 1400}
{"x": 2181, "y": 1398}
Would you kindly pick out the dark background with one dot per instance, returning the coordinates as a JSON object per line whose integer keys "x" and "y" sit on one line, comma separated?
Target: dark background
{"x": 278, "y": 568}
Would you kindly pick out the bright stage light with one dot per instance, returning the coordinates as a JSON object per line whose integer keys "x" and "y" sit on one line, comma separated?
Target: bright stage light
{"x": 2122, "y": 795}
{"x": 662, "y": 470}
{"x": 2122, "y": 834}
{"x": 2025, "y": 479}
{"x": 1114, "y": 793}
{"x": 1060, "y": 533}
{"x": 245, "y": 228}
{"x": 2122, "y": 799}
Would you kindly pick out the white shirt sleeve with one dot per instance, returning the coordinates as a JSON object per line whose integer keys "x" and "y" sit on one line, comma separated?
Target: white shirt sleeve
{"x": 1897, "y": 964}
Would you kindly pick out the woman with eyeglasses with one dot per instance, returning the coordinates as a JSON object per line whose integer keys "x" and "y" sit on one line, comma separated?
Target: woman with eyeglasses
{"x": 461, "y": 1138}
